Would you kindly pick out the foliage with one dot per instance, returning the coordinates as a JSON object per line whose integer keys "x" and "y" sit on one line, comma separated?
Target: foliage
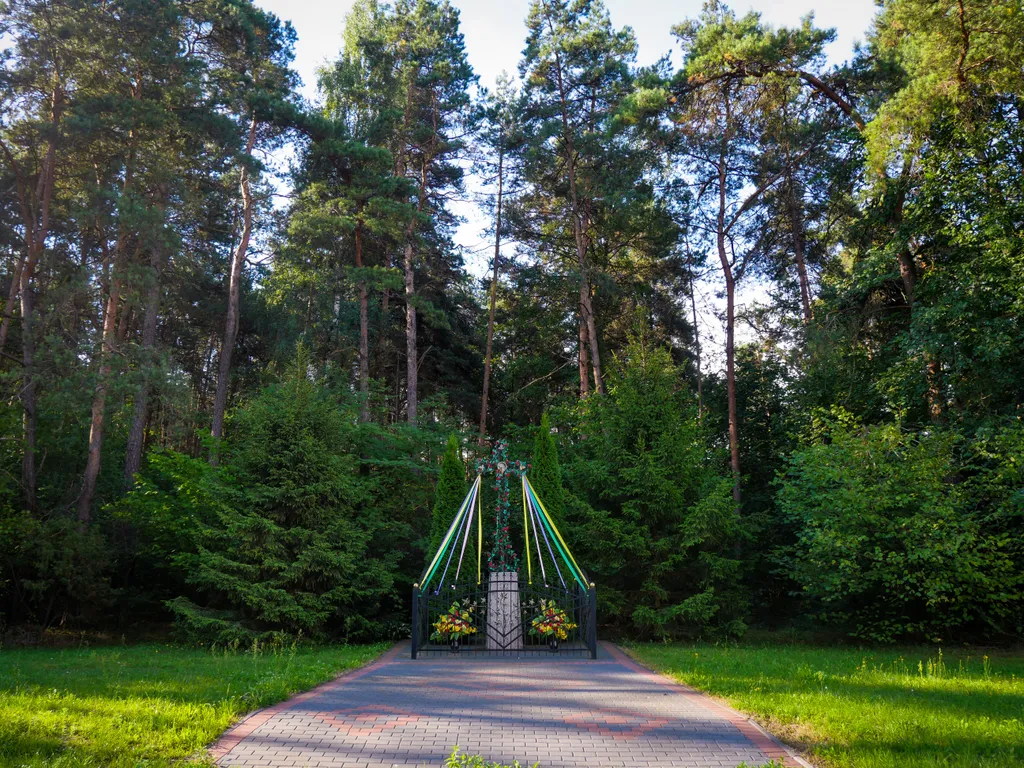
{"x": 648, "y": 512}
{"x": 552, "y": 621}
{"x": 898, "y": 533}
{"x": 545, "y": 472}
{"x": 52, "y": 571}
{"x": 456, "y": 622}
{"x": 871, "y": 209}
{"x": 457, "y": 760}
{"x": 448, "y": 498}
{"x": 909, "y": 707}
{"x": 154, "y": 704}
{"x": 295, "y": 545}
{"x": 546, "y": 479}
{"x": 949, "y": 61}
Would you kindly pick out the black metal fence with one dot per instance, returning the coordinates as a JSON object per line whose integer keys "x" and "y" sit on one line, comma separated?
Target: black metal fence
{"x": 506, "y": 617}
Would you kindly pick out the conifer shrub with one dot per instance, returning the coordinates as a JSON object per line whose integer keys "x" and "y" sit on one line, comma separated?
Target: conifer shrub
{"x": 295, "y": 543}
{"x": 448, "y": 497}
{"x": 650, "y": 512}
{"x": 546, "y": 478}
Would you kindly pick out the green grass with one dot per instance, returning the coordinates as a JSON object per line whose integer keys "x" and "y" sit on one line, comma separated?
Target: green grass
{"x": 147, "y": 705}
{"x": 849, "y": 708}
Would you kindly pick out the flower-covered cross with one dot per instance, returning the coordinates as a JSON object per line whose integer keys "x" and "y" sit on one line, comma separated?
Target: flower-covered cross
{"x": 502, "y": 557}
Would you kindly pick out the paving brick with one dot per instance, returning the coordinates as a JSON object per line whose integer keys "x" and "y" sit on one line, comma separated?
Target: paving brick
{"x": 403, "y": 713}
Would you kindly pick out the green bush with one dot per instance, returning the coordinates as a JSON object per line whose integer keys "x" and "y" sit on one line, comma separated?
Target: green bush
{"x": 457, "y": 760}
{"x": 907, "y": 533}
{"x": 650, "y": 511}
{"x": 294, "y": 543}
{"x": 52, "y": 572}
{"x": 546, "y": 477}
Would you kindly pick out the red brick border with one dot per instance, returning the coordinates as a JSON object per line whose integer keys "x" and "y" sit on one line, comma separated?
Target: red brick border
{"x": 230, "y": 738}
{"x": 745, "y": 725}
{"x": 632, "y": 725}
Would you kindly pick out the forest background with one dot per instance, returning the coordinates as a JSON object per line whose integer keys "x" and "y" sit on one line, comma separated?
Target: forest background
{"x": 226, "y": 400}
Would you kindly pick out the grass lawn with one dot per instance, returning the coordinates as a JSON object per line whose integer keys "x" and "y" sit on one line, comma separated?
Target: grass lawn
{"x": 853, "y": 708}
{"x": 148, "y": 705}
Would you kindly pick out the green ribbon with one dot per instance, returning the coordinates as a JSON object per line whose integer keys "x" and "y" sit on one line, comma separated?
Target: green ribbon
{"x": 570, "y": 562}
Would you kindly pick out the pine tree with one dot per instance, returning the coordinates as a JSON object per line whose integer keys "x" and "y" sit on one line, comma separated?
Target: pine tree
{"x": 575, "y": 68}
{"x": 450, "y": 493}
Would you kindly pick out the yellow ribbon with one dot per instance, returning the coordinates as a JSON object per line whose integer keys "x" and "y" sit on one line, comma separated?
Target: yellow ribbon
{"x": 555, "y": 528}
{"x": 526, "y": 533}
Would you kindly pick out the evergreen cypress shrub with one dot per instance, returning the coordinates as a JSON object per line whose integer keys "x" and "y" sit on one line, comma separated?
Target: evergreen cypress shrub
{"x": 545, "y": 473}
{"x": 546, "y": 477}
{"x": 448, "y": 497}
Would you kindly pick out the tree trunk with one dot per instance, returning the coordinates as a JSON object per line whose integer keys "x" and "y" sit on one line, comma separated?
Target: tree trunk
{"x": 12, "y": 295}
{"x": 411, "y": 372}
{"x": 411, "y": 362}
{"x": 411, "y": 356}
{"x": 579, "y": 226}
{"x": 595, "y": 354}
{"x": 108, "y": 345}
{"x": 140, "y": 407}
{"x": 234, "y": 289}
{"x": 797, "y": 231}
{"x": 584, "y": 360}
{"x": 730, "y": 327}
{"x": 28, "y": 390}
{"x": 934, "y": 391}
{"x": 730, "y": 372}
{"x": 364, "y": 332}
{"x": 124, "y": 320}
{"x": 494, "y": 299}
{"x": 35, "y": 212}
{"x": 909, "y": 274}
{"x": 696, "y": 340}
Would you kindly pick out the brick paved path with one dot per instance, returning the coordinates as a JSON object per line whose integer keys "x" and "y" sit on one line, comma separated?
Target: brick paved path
{"x": 399, "y": 712}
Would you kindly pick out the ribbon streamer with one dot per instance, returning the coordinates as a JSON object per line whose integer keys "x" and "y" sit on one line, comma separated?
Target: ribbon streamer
{"x": 559, "y": 535}
{"x": 440, "y": 583}
{"x": 465, "y": 539}
{"x": 536, "y": 539}
{"x": 547, "y": 542}
{"x": 526, "y": 534}
{"x": 559, "y": 543}
{"x": 429, "y": 572}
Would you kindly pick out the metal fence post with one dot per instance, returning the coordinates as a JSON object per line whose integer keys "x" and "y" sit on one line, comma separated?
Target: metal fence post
{"x": 415, "y": 618}
{"x": 592, "y": 624}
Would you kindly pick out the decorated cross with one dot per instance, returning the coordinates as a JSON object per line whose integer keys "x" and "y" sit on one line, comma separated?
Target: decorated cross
{"x": 502, "y": 557}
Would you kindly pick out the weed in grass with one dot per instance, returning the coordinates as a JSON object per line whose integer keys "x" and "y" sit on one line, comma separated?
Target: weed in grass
{"x": 459, "y": 760}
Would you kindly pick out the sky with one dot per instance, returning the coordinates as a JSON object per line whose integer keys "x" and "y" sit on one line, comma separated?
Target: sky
{"x": 494, "y": 29}
{"x": 495, "y": 32}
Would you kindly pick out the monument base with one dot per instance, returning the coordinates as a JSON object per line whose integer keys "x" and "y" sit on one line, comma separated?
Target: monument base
{"x": 504, "y": 617}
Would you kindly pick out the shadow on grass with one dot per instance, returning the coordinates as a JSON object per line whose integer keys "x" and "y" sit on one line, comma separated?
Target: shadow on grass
{"x": 883, "y": 716}
{"x": 150, "y": 704}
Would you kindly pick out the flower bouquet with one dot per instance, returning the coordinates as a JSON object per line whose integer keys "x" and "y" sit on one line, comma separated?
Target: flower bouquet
{"x": 454, "y": 624}
{"x": 552, "y": 623}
